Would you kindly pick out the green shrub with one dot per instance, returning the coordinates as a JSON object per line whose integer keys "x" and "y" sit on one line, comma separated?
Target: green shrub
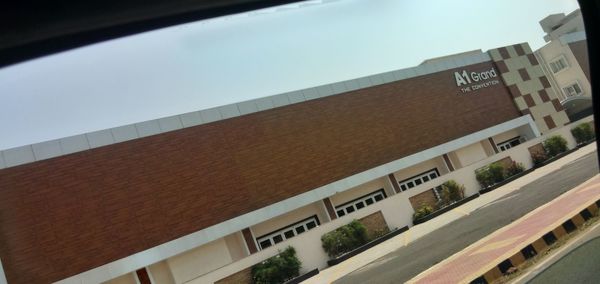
{"x": 514, "y": 168}
{"x": 555, "y": 145}
{"x": 452, "y": 192}
{"x": 497, "y": 172}
{"x": 583, "y": 133}
{"x": 487, "y": 176}
{"x": 484, "y": 177}
{"x": 277, "y": 269}
{"x": 423, "y": 211}
{"x": 538, "y": 157}
{"x": 344, "y": 239}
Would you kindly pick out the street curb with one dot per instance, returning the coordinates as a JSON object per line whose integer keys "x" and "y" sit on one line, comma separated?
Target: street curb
{"x": 538, "y": 246}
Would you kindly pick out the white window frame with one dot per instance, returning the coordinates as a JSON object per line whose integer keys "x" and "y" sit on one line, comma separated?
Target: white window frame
{"x": 570, "y": 85}
{"x": 406, "y": 184}
{"x": 507, "y": 144}
{"x": 281, "y": 232}
{"x": 352, "y": 206}
{"x": 558, "y": 59}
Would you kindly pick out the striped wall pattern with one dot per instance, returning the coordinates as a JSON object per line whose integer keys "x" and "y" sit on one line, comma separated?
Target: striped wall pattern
{"x": 538, "y": 246}
{"x": 530, "y": 88}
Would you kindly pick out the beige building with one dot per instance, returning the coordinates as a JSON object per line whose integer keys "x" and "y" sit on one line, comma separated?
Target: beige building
{"x": 565, "y": 60}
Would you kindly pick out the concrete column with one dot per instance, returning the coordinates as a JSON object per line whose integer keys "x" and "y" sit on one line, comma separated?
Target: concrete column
{"x": 249, "y": 240}
{"x": 394, "y": 182}
{"x": 493, "y": 145}
{"x": 143, "y": 276}
{"x": 329, "y": 209}
{"x": 448, "y": 163}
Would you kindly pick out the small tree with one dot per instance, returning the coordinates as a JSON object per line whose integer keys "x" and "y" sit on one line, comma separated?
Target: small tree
{"x": 555, "y": 145}
{"x": 277, "y": 269}
{"x": 583, "y": 133}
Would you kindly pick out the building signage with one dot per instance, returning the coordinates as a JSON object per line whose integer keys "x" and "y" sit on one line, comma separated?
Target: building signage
{"x": 475, "y": 80}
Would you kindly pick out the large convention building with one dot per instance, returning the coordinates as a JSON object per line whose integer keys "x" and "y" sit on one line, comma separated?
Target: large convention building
{"x": 201, "y": 197}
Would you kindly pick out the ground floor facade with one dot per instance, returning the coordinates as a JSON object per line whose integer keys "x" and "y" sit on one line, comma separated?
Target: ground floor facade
{"x": 386, "y": 202}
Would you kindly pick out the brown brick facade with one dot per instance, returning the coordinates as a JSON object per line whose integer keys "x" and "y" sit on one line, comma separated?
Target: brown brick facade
{"x": 375, "y": 224}
{"x": 69, "y": 214}
{"x": 423, "y": 198}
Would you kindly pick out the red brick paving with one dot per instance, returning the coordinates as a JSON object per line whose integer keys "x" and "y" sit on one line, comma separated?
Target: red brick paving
{"x": 476, "y": 260}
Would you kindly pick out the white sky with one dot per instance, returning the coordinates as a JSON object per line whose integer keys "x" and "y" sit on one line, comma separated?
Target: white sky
{"x": 231, "y": 59}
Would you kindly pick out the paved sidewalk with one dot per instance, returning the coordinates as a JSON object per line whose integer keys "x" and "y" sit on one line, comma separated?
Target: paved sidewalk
{"x": 333, "y": 273}
{"x": 487, "y": 253}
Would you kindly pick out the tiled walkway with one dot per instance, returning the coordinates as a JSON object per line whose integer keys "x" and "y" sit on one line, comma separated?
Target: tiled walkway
{"x": 485, "y": 254}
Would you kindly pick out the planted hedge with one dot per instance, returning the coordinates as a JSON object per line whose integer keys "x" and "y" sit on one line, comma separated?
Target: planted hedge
{"x": 277, "y": 269}
{"x": 345, "y": 239}
{"x": 555, "y": 145}
{"x": 495, "y": 174}
{"x": 583, "y": 133}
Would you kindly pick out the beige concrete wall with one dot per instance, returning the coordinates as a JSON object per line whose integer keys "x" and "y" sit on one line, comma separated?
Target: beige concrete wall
{"x": 161, "y": 273}
{"x": 506, "y": 135}
{"x": 565, "y": 77}
{"x": 199, "y": 261}
{"x": 236, "y": 246}
{"x": 387, "y": 185}
{"x": 357, "y": 192}
{"x": 124, "y": 279}
{"x": 471, "y": 154}
{"x": 455, "y": 161}
{"x": 437, "y": 162}
{"x": 487, "y": 147}
{"x": 290, "y": 218}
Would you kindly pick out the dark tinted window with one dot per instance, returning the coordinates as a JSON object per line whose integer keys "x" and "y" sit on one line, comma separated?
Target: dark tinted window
{"x": 300, "y": 230}
{"x": 265, "y": 244}
{"x": 278, "y": 239}
{"x": 311, "y": 225}
{"x": 289, "y": 234}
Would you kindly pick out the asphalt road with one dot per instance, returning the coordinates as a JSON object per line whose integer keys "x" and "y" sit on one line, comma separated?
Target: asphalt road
{"x": 403, "y": 264}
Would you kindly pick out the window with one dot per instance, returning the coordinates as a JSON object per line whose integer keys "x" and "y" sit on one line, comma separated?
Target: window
{"x": 558, "y": 64}
{"x": 265, "y": 244}
{"x": 509, "y": 143}
{"x": 360, "y": 202}
{"x": 573, "y": 90}
{"x": 419, "y": 179}
{"x": 287, "y": 232}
